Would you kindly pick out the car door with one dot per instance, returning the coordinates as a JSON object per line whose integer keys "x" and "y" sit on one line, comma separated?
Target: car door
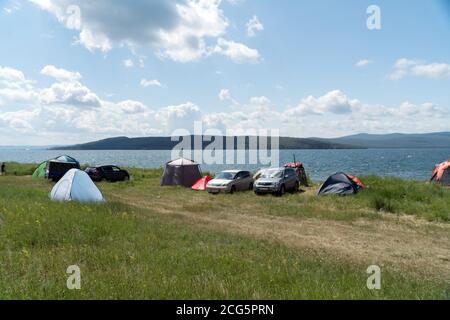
{"x": 119, "y": 175}
{"x": 238, "y": 181}
{"x": 290, "y": 174}
{"x": 248, "y": 180}
{"x": 108, "y": 173}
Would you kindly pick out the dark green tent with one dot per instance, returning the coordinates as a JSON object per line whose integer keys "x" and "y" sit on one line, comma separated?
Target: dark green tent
{"x": 41, "y": 170}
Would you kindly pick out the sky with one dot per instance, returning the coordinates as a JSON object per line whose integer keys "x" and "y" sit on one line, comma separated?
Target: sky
{"x": 74, "y": 71}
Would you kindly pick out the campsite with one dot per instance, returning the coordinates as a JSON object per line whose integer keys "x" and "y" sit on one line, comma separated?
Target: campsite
{"x": 152, "y": 242}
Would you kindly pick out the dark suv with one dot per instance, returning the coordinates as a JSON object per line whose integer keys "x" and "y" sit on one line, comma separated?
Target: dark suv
{"x": 109, "y": 173}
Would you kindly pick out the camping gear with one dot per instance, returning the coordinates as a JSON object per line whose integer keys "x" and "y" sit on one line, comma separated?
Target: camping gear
{"x": 441, "y": 173}
{"x": 201, "y": 184}
{"x": 181, "y": 172}
{"x": 40, "y": 170}
{"x": 341, "y": 184}
{"x": 300, "y": 170}
{"x": 76, "y": 185}
{"x": 55, "y": 169}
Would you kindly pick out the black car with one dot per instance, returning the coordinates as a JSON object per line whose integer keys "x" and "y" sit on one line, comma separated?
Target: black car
{"x": 109, "y": 173}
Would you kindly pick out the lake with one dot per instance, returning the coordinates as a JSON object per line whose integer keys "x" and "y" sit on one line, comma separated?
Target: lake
{"x": 405, "y": 163}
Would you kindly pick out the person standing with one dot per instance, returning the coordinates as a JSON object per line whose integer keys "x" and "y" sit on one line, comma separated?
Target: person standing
{"x": 2, "y": 169}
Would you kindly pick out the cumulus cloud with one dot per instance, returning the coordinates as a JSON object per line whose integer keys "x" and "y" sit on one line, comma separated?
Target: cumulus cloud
{"x": 67, "y": 90}
{"x": 225, "y": 95}
{"x": 128, "y": 63}
{"x": 179, "y": 30}
{"x": 150, "y": 83}
{"x": 60, "y": 74}
{"x": 69, "y": 112}
{"x": 334, "y": 102}
{"x": 406, "y": 67}
{"x": 14, "y": 86}
{"x": 363, "y": 63}
{"x": 254, "y": 26}
{"x": 237, "y": 52}
{"x": 176, "y": 117}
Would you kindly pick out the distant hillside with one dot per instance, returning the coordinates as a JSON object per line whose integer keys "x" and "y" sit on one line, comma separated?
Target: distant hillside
{"x": 396, "y": 140}
{"x": 165, "y": 143}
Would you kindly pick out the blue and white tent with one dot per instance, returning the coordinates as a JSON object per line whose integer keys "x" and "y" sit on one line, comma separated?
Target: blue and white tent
{"x": 76, "y": 185}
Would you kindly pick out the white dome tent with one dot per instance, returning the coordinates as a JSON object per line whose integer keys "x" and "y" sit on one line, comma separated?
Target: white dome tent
{"x": 76, "y": 185}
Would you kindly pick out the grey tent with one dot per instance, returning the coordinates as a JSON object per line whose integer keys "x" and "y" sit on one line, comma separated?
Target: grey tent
{"x": 181, "y": 172}
{"x": 341, "y": 184}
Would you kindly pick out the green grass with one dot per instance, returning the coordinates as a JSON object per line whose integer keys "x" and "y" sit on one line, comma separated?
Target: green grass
{"x": 19, "y": 169}
{"x": 130, "y": 252}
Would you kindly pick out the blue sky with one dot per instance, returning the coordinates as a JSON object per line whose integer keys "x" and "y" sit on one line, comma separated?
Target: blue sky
{"x": 307, "y": 68}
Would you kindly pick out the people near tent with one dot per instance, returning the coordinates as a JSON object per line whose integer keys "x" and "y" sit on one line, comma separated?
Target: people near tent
{"x": 441, "y": 173}
{"x": 341, "y": 184}
{"x": 55, "y": 169}
{"x": 201, "y": 184}
{"x": 181, "y": 172}
{"x": 76, "y": 185}
{"x": 2, "y": 169}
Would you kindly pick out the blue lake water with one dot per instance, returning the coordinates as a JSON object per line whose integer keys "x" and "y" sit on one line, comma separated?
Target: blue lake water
{"x": 405, "y": 163}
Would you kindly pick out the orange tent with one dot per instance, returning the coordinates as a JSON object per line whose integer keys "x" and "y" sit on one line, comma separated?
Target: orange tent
{"x": 357, "y": 181}
{"x": 201, "y": 184}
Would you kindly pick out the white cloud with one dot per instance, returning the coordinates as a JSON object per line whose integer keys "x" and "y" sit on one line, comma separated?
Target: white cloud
{"x": 15, "y": 87}
{"x": 254, "y": 26}
{"x": 128, "y": 63}
{"x": 179, "y": 30}
{"x": 69, "y": 112}
{"x": 363, "y": 63}
{"x": 13, "y": 6}
{"x": 225, "y": 95}
{"x": 150, "y": 83}
{"x": 237, "y": 52}
{"x": 69, "y": 93}
{"x": 60, "y": 74}
{"x": 333, "y": 102}
{"x": 131, "y": 106}
{"x": 177, "y": 117}
{"x": 406, "y": 67}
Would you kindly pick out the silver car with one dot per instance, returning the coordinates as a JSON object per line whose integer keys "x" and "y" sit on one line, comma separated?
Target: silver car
{"x": 231, "y": 181}
{"x": 277, "y": 181}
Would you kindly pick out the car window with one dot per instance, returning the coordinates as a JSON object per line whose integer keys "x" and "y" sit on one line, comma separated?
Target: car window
{"x": 246, "y": 174}
{"x": 107, "y": 168}
{"x": 241, "y": 175}
{"x": 116, "y": 168}
{"x": 272, "y": 173}
{"x": 225, "y": 176}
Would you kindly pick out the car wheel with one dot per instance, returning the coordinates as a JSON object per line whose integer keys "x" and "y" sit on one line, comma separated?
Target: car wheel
{"x": 127, "y": 178}
{"x": 250, "y": 187}
{"x": 297, "y": 187}
{"x": 233, "y": 189}
{"x": 282, "y": 190}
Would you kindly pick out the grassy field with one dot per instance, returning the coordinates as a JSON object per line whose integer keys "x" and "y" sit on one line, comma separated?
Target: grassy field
{"x": 173, "y": 243}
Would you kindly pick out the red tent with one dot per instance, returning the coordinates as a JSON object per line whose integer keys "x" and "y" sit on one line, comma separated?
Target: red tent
{"x": 441, "y": 173}
{"x": 200, "y": 185}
